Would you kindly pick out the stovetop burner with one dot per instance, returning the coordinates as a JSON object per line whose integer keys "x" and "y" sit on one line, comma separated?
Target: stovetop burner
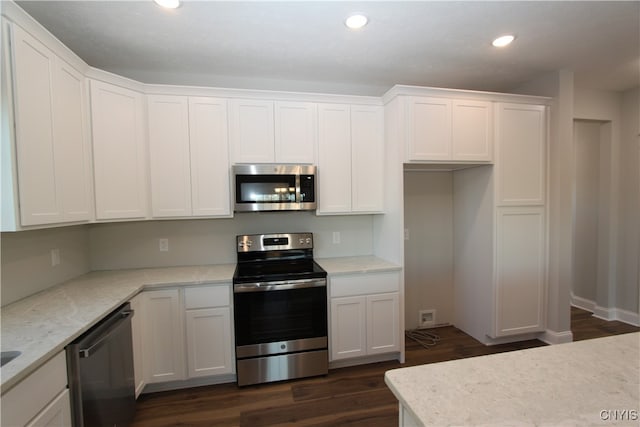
{"x": 276, "y": 257}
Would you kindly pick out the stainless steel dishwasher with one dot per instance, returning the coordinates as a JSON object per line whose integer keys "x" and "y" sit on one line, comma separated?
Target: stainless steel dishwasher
{"x": 100, "y": 371}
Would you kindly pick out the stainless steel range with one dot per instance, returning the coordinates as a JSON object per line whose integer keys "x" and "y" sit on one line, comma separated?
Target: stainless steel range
{"x": 280, "y": 309}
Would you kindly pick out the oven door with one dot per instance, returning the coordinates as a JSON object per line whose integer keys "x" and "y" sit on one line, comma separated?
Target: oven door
{"x": 280, "y": 317}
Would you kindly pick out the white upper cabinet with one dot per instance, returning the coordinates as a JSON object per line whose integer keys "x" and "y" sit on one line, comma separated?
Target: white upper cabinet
{"x": 334, "y": 158}
{"x": 270, "y": 132}
{"x": 51, "y": 145}
{"x": 169, "y": 161}
{"x": 350, "y": 159}
{"x": 295, "y": 132}
{"x": 472, "y": 130}
{"x": 367, "y": 159}
{"x": 521, "y": 135}
{"x": 118, "y": 152}
{"x": 209, "y": 143}
{"x": 188, "y": 152}
{"x": 441, "y": 129}
{"x": 251, "y": 131}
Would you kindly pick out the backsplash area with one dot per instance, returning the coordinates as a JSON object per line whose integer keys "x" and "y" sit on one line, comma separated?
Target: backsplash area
{"x": 27, "y": 260}
{"x": 27, "y": 255}
{"x": 212, "y": 241}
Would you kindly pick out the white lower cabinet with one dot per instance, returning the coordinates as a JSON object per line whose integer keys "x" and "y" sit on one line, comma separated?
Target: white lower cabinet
{"x": 163, "y": 336}
{"x": 186, "y": 333}
{"x": 365, "y": 315}
{"x": 208, "y": 326}
{"x": 41, "y": 399}
{"x": 136, "y": 334}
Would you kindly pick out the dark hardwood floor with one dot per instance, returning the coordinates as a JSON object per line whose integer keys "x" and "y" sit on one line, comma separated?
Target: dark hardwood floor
{"x": 355, "y": 396}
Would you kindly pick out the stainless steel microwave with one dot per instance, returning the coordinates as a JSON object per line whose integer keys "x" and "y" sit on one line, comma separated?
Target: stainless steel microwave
{"x": 274, "y": 187}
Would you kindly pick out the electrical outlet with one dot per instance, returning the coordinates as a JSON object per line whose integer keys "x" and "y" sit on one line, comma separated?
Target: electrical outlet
{"x": 164, "y": 245}
{"x": 55, "y": 257}
{"x": 336, "y": 237}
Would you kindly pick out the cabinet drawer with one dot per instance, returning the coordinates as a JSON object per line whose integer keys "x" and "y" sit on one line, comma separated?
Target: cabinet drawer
{"x": 362, "y": 284}
{"x": 33, "y": 394}
{"x": 207, "y": 296}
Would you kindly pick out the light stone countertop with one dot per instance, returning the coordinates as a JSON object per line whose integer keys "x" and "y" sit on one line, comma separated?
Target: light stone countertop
{"x": 356, "y": 264}
{"x": 41, "y": 325}
{"x": 560, "y": 385}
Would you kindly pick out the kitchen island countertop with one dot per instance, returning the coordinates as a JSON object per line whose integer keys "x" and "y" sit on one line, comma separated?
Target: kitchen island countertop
{"x": 584, "y": 383}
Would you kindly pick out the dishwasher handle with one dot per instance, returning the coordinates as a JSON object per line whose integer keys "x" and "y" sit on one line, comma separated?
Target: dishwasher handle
{"x": 124, "y": 316}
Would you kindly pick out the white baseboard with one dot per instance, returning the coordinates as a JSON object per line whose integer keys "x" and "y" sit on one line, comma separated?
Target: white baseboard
{"x": 605, "y": 313}
{"x": 553, "y": 337}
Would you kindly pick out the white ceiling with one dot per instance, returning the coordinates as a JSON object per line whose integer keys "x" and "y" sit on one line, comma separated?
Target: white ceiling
{"x": 304, "y": 46}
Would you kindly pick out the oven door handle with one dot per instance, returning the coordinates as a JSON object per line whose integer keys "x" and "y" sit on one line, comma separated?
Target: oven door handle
{"x": 279, "y": 286}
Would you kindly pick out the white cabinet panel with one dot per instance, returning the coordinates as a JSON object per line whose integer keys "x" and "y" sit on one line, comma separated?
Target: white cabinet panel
{"x": 163, "y": 334}
{"x": 334, "y": 158}
{"x": 382, "y": 323}
{"x": 367, "y": 159}
{"x": 209, "y": 144}
{"x": 521, "y": 153}
{"x": 39, "y": 190}
{"x": 295, "y": 132}
{"x": 441, "y": 129}
{"x": 520, "y": 270}
{"x": 118, "y": 152}
{"x": 251, "y": 131}
{"x": 137, "y": 321}
{"x": 56, "y": 414}
{"x": 429, "y": 128}
{"x": 350, "y": 159}
{"x": 472, "y": 130}
{"x": 348, "y": 327}
{"x": 209, "y": 348}
{"x": 30, "y": 399}
{"x": 169, "y": 158}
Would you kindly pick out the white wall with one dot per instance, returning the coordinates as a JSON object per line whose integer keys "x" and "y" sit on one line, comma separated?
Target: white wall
{"x": 26, "y": 260}
{"x": 587, "y": 160}
{"x": 212, "y": 241}
{"x": 627, "y": 294}
{"x": 428, "y": 218}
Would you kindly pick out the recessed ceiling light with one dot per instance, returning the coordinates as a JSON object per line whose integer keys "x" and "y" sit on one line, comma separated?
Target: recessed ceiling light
{"x": 169, "y": 4}
{"x": 503, "y": 41}
{"x": 356, "y": 22}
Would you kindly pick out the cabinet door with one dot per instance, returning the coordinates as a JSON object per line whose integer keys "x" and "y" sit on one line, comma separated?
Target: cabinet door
{"x": 163, "y": 334}
{"x": 367, "y": 161}
{"x": 71, "y": 142}
{"x": 382, "y": 323}
{"x": 56, "y": 414}
{"x": 348, "y": 327}
{"x": 209, "y": 342}
{"x": 251, "y": 131}
{"x": 136, "y": 335}
{"x": 472, "y": 133}
{"x": 429, "y": 128}
{"x": 209, "y": 144}
{"x": 520, "y": 270}
{"x": 334, "y": 158}
{"x": 521, "y": 154}
{"x": 295, "y": 132}
{"x": 39, "y": 190}
{"x": 169, "y": 160}
{"x": 118, "y": 152}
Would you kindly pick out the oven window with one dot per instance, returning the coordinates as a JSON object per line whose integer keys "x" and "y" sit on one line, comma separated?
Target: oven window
{"x": 272, "y": 316}
{"x": 265, "y": 188}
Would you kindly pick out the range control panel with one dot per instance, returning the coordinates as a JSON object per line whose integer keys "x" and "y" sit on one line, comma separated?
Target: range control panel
{"x": 274, "y": 242}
